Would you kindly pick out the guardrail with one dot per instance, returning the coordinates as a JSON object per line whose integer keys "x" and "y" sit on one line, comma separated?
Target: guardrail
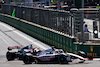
{"x": 42, "y": 33}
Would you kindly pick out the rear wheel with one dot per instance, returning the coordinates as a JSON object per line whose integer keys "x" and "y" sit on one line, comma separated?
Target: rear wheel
{"x": 27, "y": 60}
{"x": 62, "y": 59}
{"x": 10, "y": 56}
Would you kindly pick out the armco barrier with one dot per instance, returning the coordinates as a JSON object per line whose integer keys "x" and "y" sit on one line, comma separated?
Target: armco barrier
{"x": 49, "y": 36}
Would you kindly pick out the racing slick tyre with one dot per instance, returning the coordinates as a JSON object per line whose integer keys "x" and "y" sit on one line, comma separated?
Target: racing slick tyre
{"x": 62, "y": 59}
{"x": 27, "y": 59}
{"x": 10, "y": 56}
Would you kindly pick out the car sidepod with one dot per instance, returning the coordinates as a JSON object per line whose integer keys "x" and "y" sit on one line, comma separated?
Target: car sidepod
{"x": 46, "y": 57}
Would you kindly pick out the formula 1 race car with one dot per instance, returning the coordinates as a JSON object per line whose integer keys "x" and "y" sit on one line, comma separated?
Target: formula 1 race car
{"x": 19, "y": 51}
{"x": 51, "y": 55}
{"x": 47, "y": 56}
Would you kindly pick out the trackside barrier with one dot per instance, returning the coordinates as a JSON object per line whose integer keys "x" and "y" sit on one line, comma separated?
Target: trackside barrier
{"x": 49, "y": 36}
{"x": 55, "y": 19}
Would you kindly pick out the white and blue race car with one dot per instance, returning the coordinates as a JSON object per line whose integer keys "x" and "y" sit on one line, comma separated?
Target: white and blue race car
{"x": 53, "y": 56}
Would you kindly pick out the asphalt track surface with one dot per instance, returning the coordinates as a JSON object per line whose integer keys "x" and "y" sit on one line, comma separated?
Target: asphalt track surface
{"x": 10, "y": 36}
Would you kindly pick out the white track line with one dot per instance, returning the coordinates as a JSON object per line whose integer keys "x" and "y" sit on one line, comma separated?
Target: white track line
{"x": 24, "y": 36}
{"x": 5, "y": 41}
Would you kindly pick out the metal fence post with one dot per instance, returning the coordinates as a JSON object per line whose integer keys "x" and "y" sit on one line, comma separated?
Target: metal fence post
{"x": 82, "y": 20}
{"x": 71, "y": 25}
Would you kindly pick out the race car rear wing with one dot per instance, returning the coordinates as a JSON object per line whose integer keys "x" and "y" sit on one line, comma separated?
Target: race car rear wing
{"x": 14, "y": 47}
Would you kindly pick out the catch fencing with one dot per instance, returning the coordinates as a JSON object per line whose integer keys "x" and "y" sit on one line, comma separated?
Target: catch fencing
{"x": 54, "y": 19}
